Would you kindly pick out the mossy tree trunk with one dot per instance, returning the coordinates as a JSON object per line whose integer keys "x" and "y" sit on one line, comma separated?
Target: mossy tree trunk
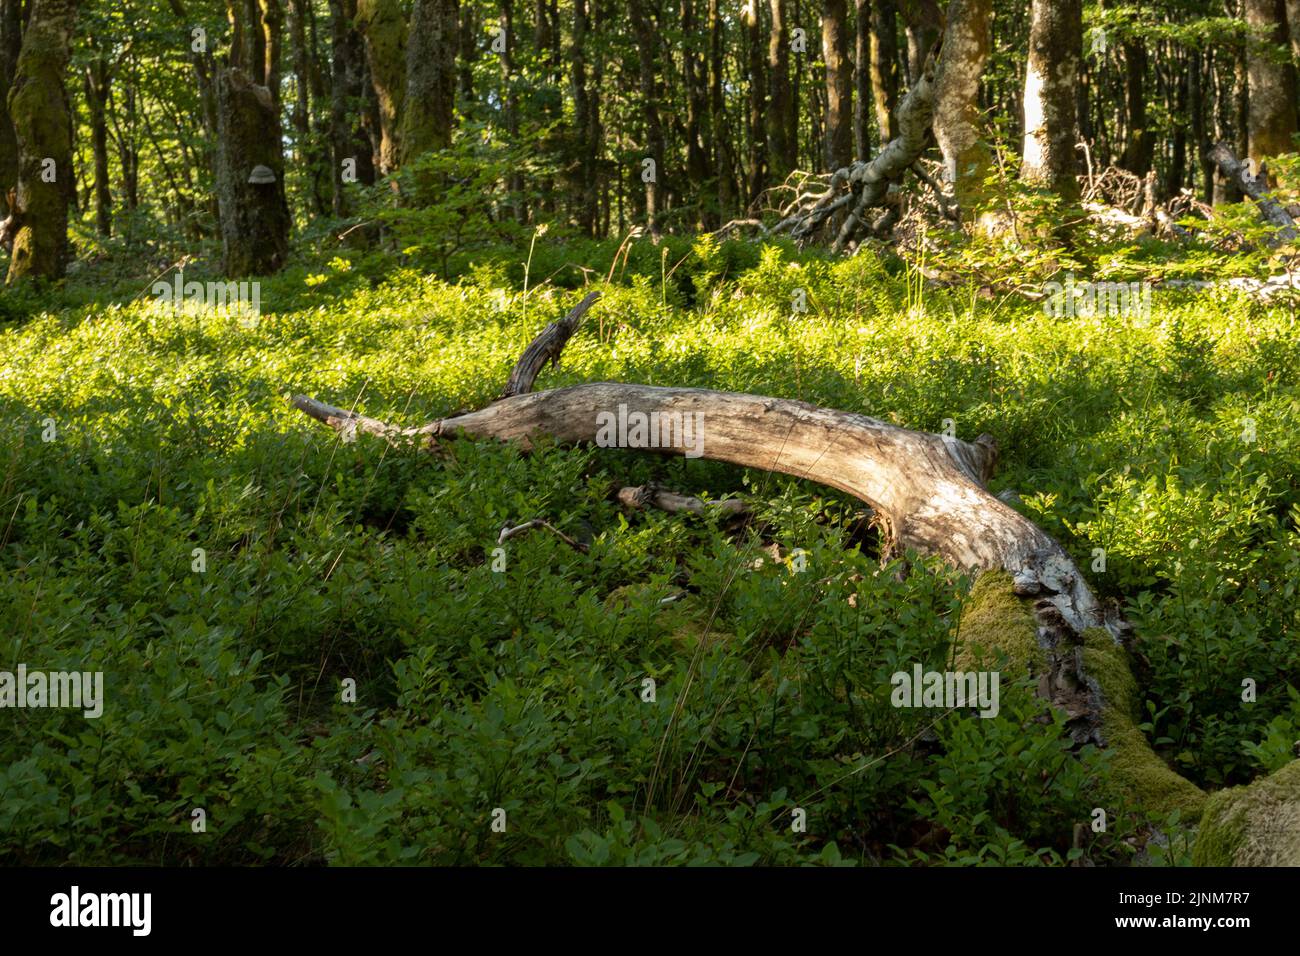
{"x": 384, "y": 29}
{"x": 37, "y": 227}
{"x": 254, "y": 216}
{"x": 431, "y": 45}
{"x": 966, "y": 157}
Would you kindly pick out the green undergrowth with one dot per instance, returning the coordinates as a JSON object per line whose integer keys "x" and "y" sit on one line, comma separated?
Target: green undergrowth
{"x": 138, "y": 446}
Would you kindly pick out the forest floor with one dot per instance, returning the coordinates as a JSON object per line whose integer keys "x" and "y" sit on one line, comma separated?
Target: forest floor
{"x": 236, "y": 572}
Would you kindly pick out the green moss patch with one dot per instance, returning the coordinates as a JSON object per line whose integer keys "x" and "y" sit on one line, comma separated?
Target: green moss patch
{"x": 1136, "y": 771}
{"x": 1254, "y": 825}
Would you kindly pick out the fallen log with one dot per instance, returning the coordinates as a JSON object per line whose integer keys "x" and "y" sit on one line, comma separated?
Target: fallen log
{"x": 1030, "y": 600}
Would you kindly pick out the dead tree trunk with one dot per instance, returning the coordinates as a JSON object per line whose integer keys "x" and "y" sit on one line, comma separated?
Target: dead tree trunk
{"x": 250, "y": 177}
{"x": 1256, "y": 187}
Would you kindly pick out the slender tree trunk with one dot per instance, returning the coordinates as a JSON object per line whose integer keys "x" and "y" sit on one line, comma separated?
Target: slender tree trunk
{"x": 467, "y": 46}
{"x": 781, "y": 158}
{"x": 351, "y": 157}
{"x": 1055, "y": 36}
{"x": 647, "y": 59}
{"x": 1200, "y": 137}
{"x": 11, "y": 39}
{"x": 1139, "y": 147}
{"x": 37, "y": 228}
{"x": 862, "y": 79}
{"x": 966, "y": 157}
{"x": 97, "y": 81}
{"x": 884, "y": 67}
{"x": 384, "y": 29}
{"x": 720, "y": 133}
{"x": 515, "y": 181}
{"x": 1177, "y": 173}
{"x": 756, "y": 170}
{"x": 583, "y": 185}
{"x": 1272, "y": 99}
{"x": 272, "y": 42}
{"x": 923, "y": 21}
{"x": 305, "y": 144}
{"x": 693, "y": 71}
{"x": 839, "y": 85}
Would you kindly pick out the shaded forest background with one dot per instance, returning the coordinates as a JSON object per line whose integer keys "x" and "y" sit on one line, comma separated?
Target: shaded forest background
{"x": 139, "y": 124}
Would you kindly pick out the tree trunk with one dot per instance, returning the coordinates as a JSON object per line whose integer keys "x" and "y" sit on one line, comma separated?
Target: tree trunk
{"x": 384, "y": 29}
{"x": 349, "y": 147}
{"x": 1272, "y": 100}
{"x": 254, "y": 216}
{"x": 272, "y": 14}
{"x": 756, "y": 168}
{"x": 862, "y": 79}
{"x": 1200, "y": 134}
{"x": 924, "y": 21}
{"x": 429, "y": 110}
{"x": 648, "y": 82}
{"x": 97, "y": 80}
{"x": 720, "y": 134}
{"x": 1055, "y": 35}
{"x": 36, "y": 230}
{"x": 966, "y": 157}
{"x": 305, "y": 144}
{"x": 11, "y": 39}
{"x": 1139, "y": 149}
{"x": 781, "y": 152}
{"x": 697, "y": 107}
{"x": 839, "y": 84}
{"x": 584, "y": 183}
{"x": 884, "y": 67}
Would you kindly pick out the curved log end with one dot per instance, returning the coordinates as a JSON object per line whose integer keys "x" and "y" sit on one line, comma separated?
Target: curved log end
{"x": 1254, "y": 825}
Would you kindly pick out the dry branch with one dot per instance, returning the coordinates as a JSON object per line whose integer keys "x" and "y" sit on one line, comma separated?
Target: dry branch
{"x": 1256, "y": 187}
